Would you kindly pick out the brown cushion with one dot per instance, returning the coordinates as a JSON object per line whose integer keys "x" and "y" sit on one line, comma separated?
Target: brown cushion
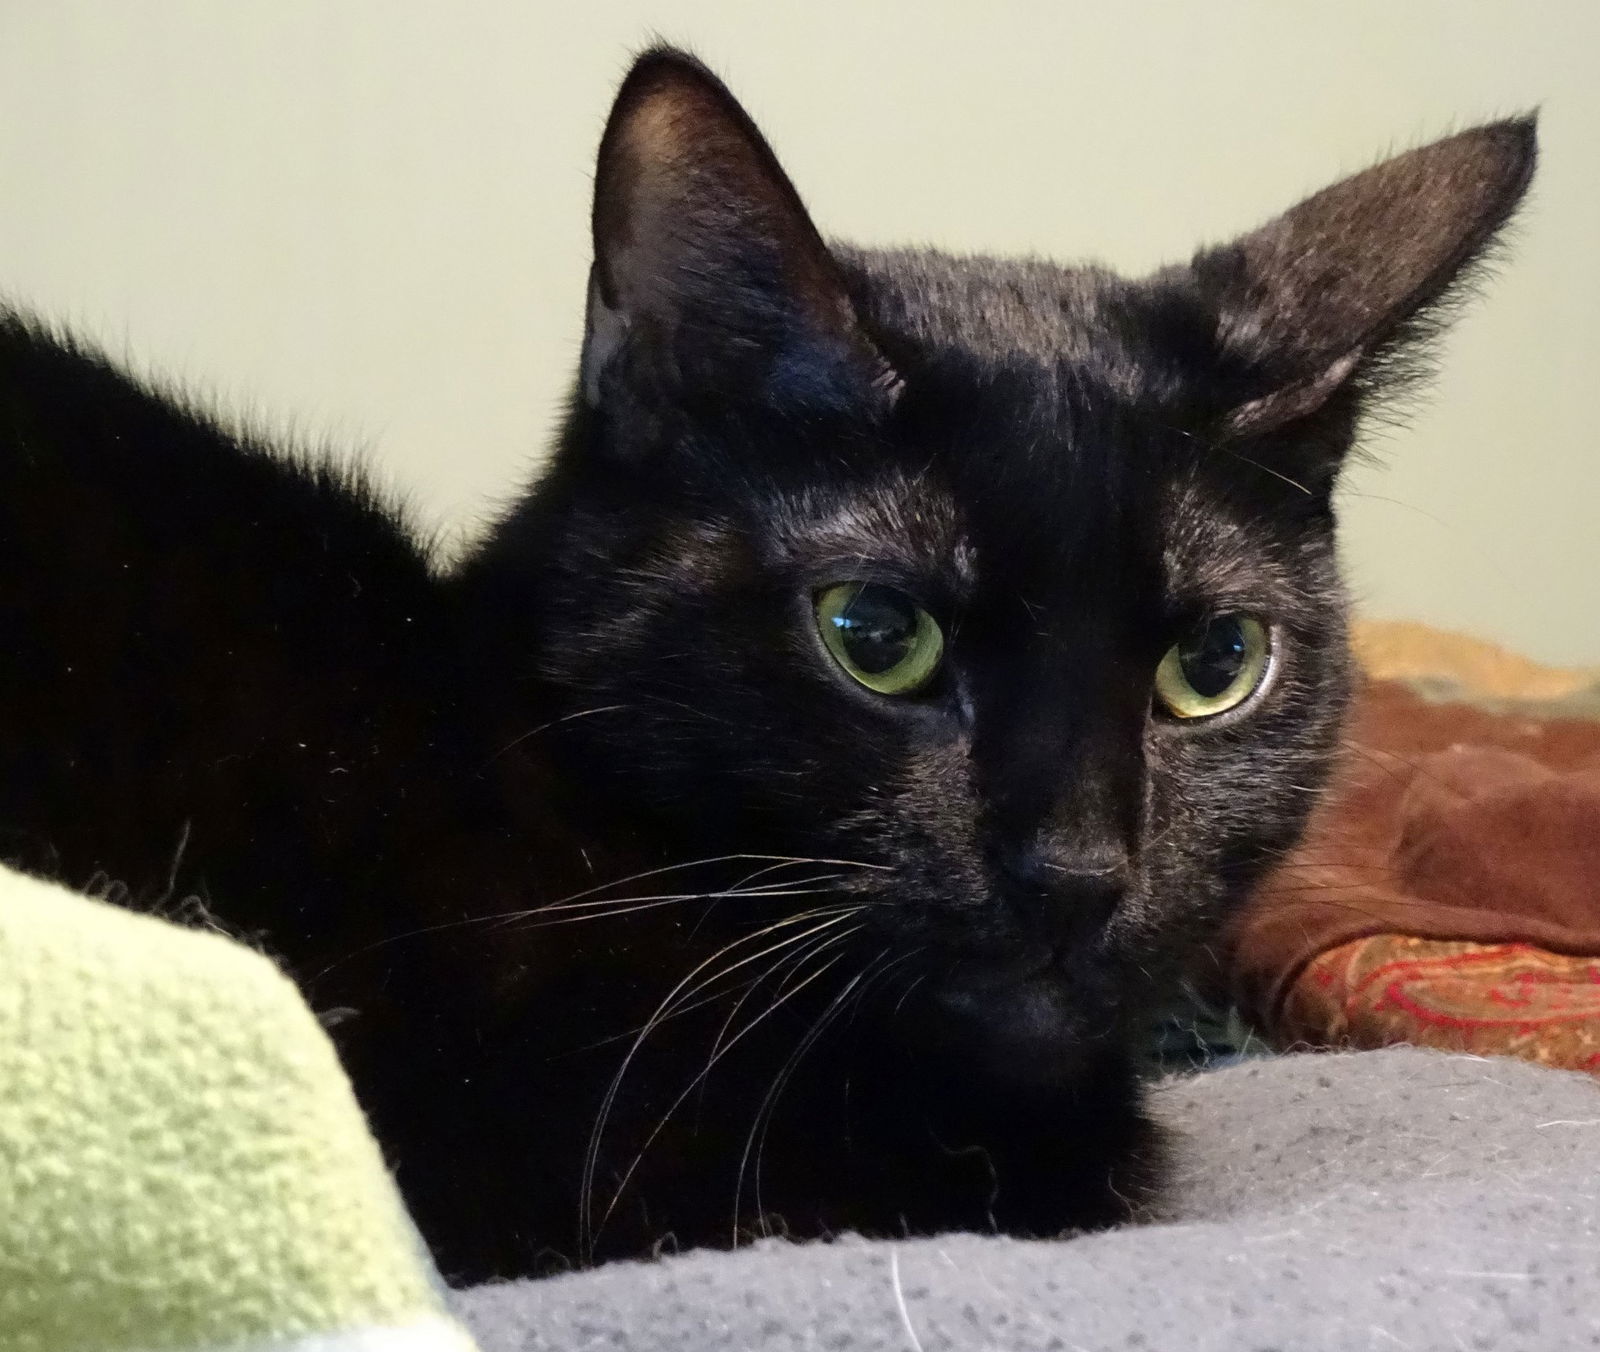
{"x": 1472, "y": 820}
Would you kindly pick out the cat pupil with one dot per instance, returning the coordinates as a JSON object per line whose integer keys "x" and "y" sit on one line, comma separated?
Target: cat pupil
{"x": 877, "y": 628}
{"x": 1213, "y": 657}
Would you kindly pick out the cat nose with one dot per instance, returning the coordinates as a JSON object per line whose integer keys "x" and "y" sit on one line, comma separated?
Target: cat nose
{"x": 1066, "y": 898}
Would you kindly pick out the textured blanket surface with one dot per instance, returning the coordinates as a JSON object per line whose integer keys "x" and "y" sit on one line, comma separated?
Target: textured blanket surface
{"x": 1401, "y": 1199}
{"x": 182, "y": 1163}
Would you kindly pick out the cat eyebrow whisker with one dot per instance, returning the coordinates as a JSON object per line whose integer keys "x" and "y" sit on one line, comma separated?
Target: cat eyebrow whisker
{"x": 1386, "y": 760}
{"x": 1266, "y": 469}
{"x": 1292, "y": 864}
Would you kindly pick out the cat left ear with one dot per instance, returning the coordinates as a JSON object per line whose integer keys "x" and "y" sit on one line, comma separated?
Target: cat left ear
{"x": 710, "y": 283}
{"x": 1340, "y": 292}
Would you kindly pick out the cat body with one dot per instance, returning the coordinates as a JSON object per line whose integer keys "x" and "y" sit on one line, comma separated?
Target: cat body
{"x": 641, "y": 910}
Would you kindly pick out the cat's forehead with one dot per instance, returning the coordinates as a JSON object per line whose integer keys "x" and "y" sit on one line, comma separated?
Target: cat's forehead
{"x": 1001, "y": 311}
{"x": 910, "y": 521}
{"x": 1039, "y": 440}
{"x": 1070, "y": 511}
{"x": 932, "y": 526}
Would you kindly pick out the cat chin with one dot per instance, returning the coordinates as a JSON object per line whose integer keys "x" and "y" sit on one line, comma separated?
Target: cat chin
{"x": 1028, "y": 1021}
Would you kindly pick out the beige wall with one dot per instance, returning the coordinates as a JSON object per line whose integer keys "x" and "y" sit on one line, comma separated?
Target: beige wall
{"x": 367, "y": 220}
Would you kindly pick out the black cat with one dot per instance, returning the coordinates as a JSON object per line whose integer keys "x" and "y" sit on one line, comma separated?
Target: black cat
{"x": 783, "y": 815}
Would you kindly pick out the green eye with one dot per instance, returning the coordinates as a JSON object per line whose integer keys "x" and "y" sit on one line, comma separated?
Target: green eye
{"x": 880, "y": 636}
{"x": 1214, "y": 667}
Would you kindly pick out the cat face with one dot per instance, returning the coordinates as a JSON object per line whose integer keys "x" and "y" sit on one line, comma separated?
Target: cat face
{"x": 1043, "y": 823}
{"x": 1008, "y": 588}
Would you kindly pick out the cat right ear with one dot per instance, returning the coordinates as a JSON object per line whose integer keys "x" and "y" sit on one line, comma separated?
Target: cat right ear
{"x": 710, "y": 284}
{"x": 1341, "y": 293}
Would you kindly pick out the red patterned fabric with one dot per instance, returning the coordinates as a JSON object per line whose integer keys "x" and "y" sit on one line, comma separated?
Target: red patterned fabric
{"x": 1507, "y": 999}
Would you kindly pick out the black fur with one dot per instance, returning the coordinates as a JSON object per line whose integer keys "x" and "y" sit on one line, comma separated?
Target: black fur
{"x": 602, "y": 777}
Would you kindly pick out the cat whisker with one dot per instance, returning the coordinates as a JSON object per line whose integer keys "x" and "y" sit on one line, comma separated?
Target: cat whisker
{"x": 770, "y": 1101}
{"x": 1389, "y": 762}
{"x": 777, "y": 887}
{"x": 605, "y": 908}
{"x": 772, "y": 868}
{"x": 689, "y": 1005}
{"x": 776, "y": 859}
{"x": 884, "y": 971}
{"x": 906, "y": 993}
{"x": 703, "y": 714}
{"x": 793, "y": 962}
{"x": 743, "y": 887}
{"x": 781, "y": 999}
{"x": 1265, "y": 469}
{"x": 543, "y": 727}
{"x": 624, "y": 905}
{"x": 587, "y": 1233}
{"x": 830, "y": 917}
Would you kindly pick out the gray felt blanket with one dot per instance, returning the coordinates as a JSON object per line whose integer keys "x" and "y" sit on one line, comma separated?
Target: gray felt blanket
{"x": 1384, "y": 1200}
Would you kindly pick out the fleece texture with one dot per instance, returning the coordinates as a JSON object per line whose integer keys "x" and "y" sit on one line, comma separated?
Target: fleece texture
{"x": 182, "y": 1163}
{"x": 1380, "y": 1200}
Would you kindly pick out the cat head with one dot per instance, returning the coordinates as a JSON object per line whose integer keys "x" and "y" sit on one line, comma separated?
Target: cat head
{"x": 1013, "y": 584}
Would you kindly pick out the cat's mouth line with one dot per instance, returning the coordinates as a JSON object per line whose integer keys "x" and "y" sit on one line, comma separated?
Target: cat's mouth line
{"x": 984, "y": 974}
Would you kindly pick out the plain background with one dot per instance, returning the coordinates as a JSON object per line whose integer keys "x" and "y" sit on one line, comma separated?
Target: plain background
{"x": 366, "y": 221}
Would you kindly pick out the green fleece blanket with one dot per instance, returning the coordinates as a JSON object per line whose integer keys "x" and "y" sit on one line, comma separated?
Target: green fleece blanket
{"x": 182, "y": 1163}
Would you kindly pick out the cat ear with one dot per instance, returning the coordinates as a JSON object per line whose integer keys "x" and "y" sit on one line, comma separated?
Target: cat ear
{"x": 1343, "y": 290}
{"x": 710, "y": 282}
